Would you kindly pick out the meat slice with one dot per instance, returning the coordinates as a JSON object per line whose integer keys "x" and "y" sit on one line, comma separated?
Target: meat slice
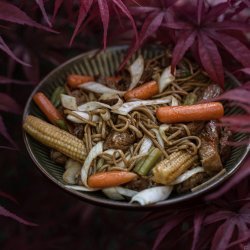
{"x": 209, "y": 151}
{"x": 119, "y": 140}
{"x": 139, "y": 184}
{"x": 191, "y": 182}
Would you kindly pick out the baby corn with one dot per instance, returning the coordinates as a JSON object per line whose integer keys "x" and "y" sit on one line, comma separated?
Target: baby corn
{"x": 55, "y": 138}
{"x": 166, "y": 171}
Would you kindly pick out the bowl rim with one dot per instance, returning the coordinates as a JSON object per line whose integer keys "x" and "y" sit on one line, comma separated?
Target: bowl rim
{"x": 85, "y": 196}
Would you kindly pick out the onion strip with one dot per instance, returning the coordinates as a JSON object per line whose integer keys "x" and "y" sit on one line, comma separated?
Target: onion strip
{"x": 93, "y": 153}
{"x": 100, "y": 88}
{"x": 152, "y": 195}
{"x": 136, "y": 70}
{"x": 187, "y": 175}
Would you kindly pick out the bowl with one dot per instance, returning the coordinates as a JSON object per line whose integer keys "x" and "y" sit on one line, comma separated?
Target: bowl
{"x": 106, "y": 63}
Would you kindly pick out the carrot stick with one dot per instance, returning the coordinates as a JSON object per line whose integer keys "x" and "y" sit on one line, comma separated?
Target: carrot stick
{"x": 75, "y": 80}
{"x": 110, "y": 179}
{"x": 143, "y": 92}
{"x": 49, "y": 110}
{"x": 198, "y": 112}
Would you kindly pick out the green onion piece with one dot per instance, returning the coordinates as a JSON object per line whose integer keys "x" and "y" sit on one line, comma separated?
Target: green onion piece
{"x": 56, "y": 96}
{"x": 61, "y": 124}
{"x": 190, "y": 99}
{"x": 150, "y": 161}
{"x": 141, "y": 161}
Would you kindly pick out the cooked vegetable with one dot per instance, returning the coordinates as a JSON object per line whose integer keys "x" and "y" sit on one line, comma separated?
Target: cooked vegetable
{"x": 81, "y": 117}
{"x": 71, "y": 163}
{"x": 99, "y": 88}
{"x": 153, "y": 157}
{"x": 71, "y": 174}
{"x": 136, "y": 71}
{"x": 75, "y": 80}
{"x": 55, "y": 138}
{"x": 198, "y": 112}
{"x": 56, "y": 96}
{"x": 117, "y": 193}
{"x": 112, "y": 193}
{"x": 152, "y": 195}
{"x": 110, "y": 179}
{"x": 93, "y": 153}
{"x": 143, "y": 92}
{"x": 68, "y": 102}
{"x": 165, "y": 79}
{"x": 82, "y": 188}
{"x": 49, "y": 110}
{"x": 90, "y": 106}
{"x": 128, "y": 106}
{"x": 186, "y": 175}
{"x": 166, "y": 171}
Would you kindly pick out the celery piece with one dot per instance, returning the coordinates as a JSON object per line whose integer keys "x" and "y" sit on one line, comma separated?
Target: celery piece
{"x": 56, "y": 96}
{"x": 61, "y": 124}
{"x": 150, "y": 161}
{"x": 141, "y": 161}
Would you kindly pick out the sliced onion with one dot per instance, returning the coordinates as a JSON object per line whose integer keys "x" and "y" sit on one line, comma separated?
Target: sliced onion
{"x": 109, "y": 96}
{"x": 158, "y": 136}
{"x": 117, "y": 193}
{"x": 146, "y": 145}
{"x": 74, "y": 119}
{"x": 187, "y": 175}
{"x": 70, "y": 175}
{"x": 90, "y": 106}
{"x": 165, "y": 79}
{"x": 109, "y": 151}
{"x": 112, "y": 193}
{"x": 152, "y": 195}
{"x": 68, "y": 102}
{"x": 128, "y": 106}
{"x": 174, "y": 102}
{"x": 71, "y": 163}
{"x": 126, "y": 192}
{"x": 100, "y": 88}
{"x": 136, "y": 70}
{"x": 82, "y": 188}
{"x": 93, "y": 153}
{"x": 84, "y": 115}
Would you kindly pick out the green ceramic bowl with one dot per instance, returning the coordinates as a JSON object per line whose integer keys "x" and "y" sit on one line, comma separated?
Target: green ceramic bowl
{"x": 106, "y": 63}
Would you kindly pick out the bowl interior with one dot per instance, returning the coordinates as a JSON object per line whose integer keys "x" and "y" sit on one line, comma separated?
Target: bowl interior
{"x": 105, "y": 64}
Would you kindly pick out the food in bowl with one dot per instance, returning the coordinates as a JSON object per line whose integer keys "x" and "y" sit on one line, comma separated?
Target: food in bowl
{"x": 143, "y": 135}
